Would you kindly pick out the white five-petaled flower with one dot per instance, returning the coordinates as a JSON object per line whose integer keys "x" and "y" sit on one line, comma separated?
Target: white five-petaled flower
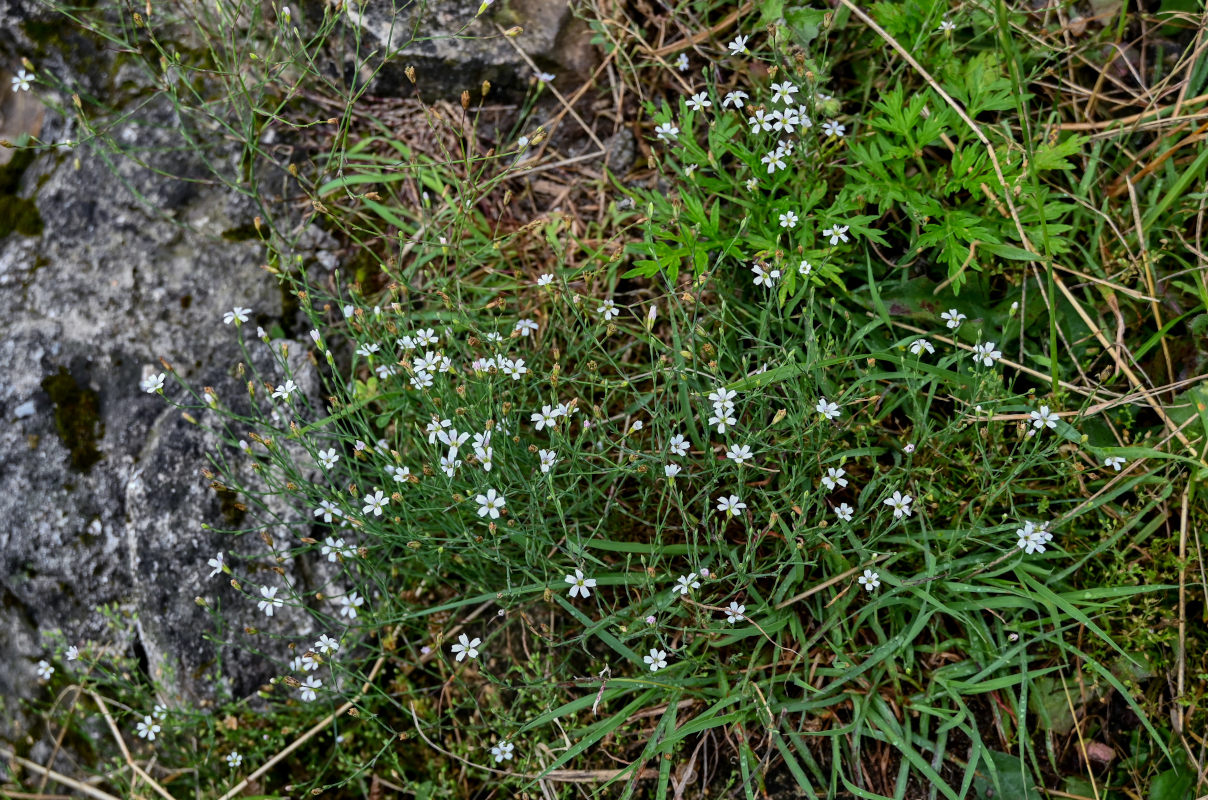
{"x": 671, "y": 470}
{"x": 328, "y": 458}
{"x": 783, "y": 91}
{"x": 774, "y": 160}
{"x": 608, "y": 309}
{"x": 679, "y": 445}
{"x": 526, "y": 326}
{"x": 546, "y": 279}
{"x": 946, "y": 25}
{"x": 953, "y": 318}
{"x": 327, "y": 645}
{"x": 374, "y": 503}
{"x": 503, "y": 751}
{"x": 283, "y": 391}
{"x": 308, "y": 687}
{"x": 579, "y": 585}
{"x": 234, "y": 759}
{"x": 734, "y": 98}
{"x": 738, "y": 46}
{"x": 735, "y": 613}
{"x": 832, "y": 128}
{"x": 900, "y": 503}
{"x": 148, "y": 728}
{"x": 760, "y": 121}
{"x": 919, "y": 346}
{"x": 547, "y": 459}
{"x": 869, "y": 580}
{"x": 490, "y": 504}
{"x": 515, "y": 368}
{"x": 844, "y": 512}
{"x": 834, "y": 477}
{"x": 739, "y": 454}
{"x": 1043, "y": 418}
{"x": 986, "y": 353}
{"x": 764, "y": 276}
{"x": 236, "y": 315}
{"x": 681, "y": 63}
{"x": 1033, "y": 538}
{"x": 667, "y": 132}
{"x": 827, "y": 409}
{"x": 153, "y": 384}
{"x": 836, "y": 234}
{"x": 349, "y": 604}
{"x": 216, "y": 563}
{"x": 699, "y": 101}
{"x": 788, "y": 220}
{"x": 657, "y": 659}
{"x": 45, "y": 670}
{"x": 270, "y": 601}
{"x": 1115, "y": 462}
{"x": 545, "y": 418}
{"x": 685, "y": 583}
{"x": 21, "y": 81}
{"x": 327, "y": 510}
{"x": 731, "y": 505}
{"x": 72, "y": 653}
{"x": 466, "y": 647}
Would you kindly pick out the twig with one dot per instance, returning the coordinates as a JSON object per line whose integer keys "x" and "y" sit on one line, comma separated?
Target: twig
{"x": 57, "y": 777}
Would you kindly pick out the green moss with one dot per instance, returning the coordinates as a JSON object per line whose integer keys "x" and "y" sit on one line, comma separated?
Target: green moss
{"x": 16, "y": 213}
{"x": 241, "y": 233}
{"x": 77, "y": 412}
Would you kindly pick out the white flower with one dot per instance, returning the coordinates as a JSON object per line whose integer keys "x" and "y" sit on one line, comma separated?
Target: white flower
{"x": 450, "y": 462}
{"x": 723, "y": 420}
{"x": 327, "y": 510}
{"x": 986, "y": 353}
{"x": 834, "y": 477}
{"x": 216, "y": 564}
{"x": 153, "y": 384}
{"x": 579, "y": 585}
{"x": 304, "y": 663}
{"x": 685, "y": 583}
{"x": 836, "y": 234}
{"x": 332, "y": 548}
{"x": 270, "y": 601}
{"x": 368, "y": 349}
{"x": 526, "y": 326}
{"x": 1115, "y": 462}
{"x": 760, "y": 121}
{"x": 283, "y": 391}
{"x": 434, "y": 428}
{"x": 681, "y": 63}
{"x": 546, "y": 77}
{"x": 730, "y": 505}
{"x": 21, "y": 81}
{"x": 946, "y": 25}
{"x": 349, "y": 605}
{"x": 453, "y": 438}
{"x": 546, "y": 279}
{"x": 774, "y": 161}
{"x": 328, "y": 458}
{"x": 832, "y": 128}
{"x": 547, "y": 459}
{"x": 783, "y": 91}
{"x": 679, "y": 445}
{"x": 426, "y": 336}
{"x": 667, "y": 132}
{"x": 45, "y": 670}
{"x": 953, "y": 318}
{"x": 503, "y": 751}
{"x": 1032, "y": 538}
{"x": 1043, "y": 418}
{"x": 236, "y": 315}
{"x": 827, "y": 409}
{"x": 788, "y": 220}
{"x": 844, "y": 512}
{"x": 918, "y": 346}
{"x": 734, "y": 98}
{"x": 490, "y": 504}
{"x": 374, "y": 503}
{"x": 609, "y": 309}
{"x": 738, "y": 46}
{"x": 804, "y": 268}
{"x": 671, "y": 470}
{"x": 327, "y": 645}
{"x": 400, "y": 474}
{"x": 148, "y": 728}
{"x": 657, "y": 659}
{"x": 869, "y": 580}
{"x": 72, "y": 653}
{"x": 699, "y": 101}
{"x": 307, "y": 689}
{"x": 234, "y": 759}
{"x": 735, "y": 612}
{"x": 545, "y": 418}
{"x": 466, "y": 647}
{"x": 764, "y": 277}
{"x": 786, "y": 121}
{"x": 900, "y": 503}
{"x": 739, "y": 454}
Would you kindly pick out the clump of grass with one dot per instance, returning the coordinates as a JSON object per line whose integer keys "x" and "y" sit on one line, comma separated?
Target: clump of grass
{"x": 806, "y": 467}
